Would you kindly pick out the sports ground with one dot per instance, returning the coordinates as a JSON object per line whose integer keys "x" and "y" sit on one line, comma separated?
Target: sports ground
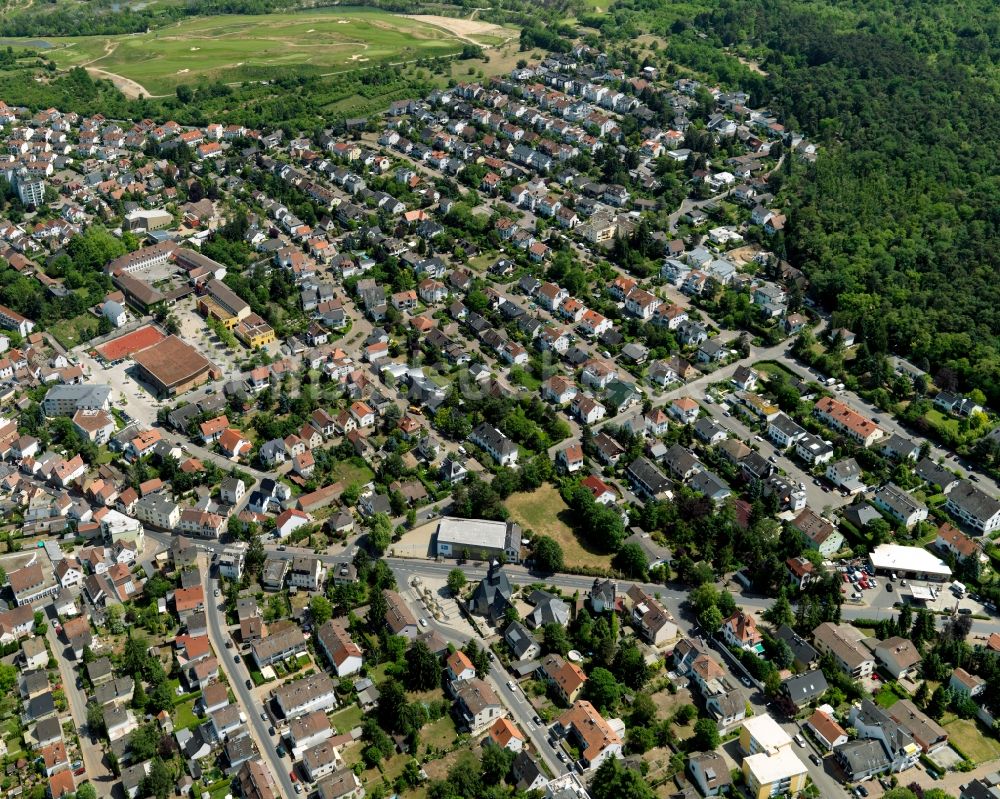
{"x": 126, "y": 345}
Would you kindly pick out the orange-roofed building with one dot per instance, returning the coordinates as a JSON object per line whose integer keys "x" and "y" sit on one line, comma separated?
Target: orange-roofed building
{"x": 505, "y": 735}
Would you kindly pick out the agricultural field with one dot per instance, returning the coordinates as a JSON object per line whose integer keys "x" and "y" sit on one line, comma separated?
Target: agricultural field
{"x": 243, "y": 48}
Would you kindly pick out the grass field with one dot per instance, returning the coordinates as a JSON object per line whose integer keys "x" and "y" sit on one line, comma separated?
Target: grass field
{"x": 967, "y": 736}
{"x": 889, "y": 695}
{"x": 239, "y": 48}
{"x": 67, "y": 331}
{"x": 544, "y": 512}
{"x": 349, "y": 473}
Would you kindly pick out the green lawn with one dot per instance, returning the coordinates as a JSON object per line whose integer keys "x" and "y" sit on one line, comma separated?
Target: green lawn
{"x": 942, "y": 422}
{"x": 184, "y": 717}
{"x": 347, "y": 718}
{"x": 772, "y": 368}
{"x": 888, "y": 696}
{"x": 67, "y": 331}
{"x": 220, "y": 789}
{"x": 256, "y": 47}
{"x": 975, "y": 743}
{"x": 349, "y": 472}
{"x": 440, "y": 734}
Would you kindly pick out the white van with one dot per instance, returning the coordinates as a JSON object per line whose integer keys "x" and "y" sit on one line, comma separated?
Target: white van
{"x": 958, "y": 588}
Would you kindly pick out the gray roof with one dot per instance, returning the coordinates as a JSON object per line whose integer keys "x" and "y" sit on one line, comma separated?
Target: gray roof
{"x": 935, "y": 473}
{"x": 519, "y": 639}
{"x": 863, "y": 756}
{"x": 974, "y": 501}
{"x": 803, "y": 688}
{"x": 802, "y": 650}
{"x": 548, "y": 609}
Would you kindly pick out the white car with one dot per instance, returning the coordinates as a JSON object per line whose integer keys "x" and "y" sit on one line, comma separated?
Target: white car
{"x": 423, "y": 622}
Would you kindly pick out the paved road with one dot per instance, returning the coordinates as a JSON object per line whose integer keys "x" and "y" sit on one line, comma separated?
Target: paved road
{"x": 237, "y": 675}
{"x": 687, "y": 204}
{"x": 93, "y": 756}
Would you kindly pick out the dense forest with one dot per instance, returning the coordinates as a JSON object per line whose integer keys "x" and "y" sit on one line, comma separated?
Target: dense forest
{"x": 896, "y": 224}
{"x": 109, "y": 17}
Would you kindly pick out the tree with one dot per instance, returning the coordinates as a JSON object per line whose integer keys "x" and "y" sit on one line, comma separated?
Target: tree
{"x": 134, "y": 655}
{"x": 144, "y": 742}
{"x": 139, "y": 698}
{"x": 95, "y": 719}
{"x": 706, "y": 736}
{"x": 86, "y": 791}
{"x": 640, "y": 739}
{"x": 548, "y": 555}
{"x": 380, "y": 533}
{"x": 113, "y": 619}
{"x": 159, "y": 782}
{"x": 255, "y": 557}
{"x": 8, "y": 678}
{"x": 161, "y": 698}
{"x": 643, "y": 711}
{"x": 613, "y": 781}
{"x": 685, "y": 714}
{"x": 496, "y": 764}
{"x": 711, "y": 619}
{"x": 479, "y": 657}
{"x": 392, "y": 700}
{"x": 602, "y": 689}
{"x": 629, "y": 665}
{"x": 423, "y": 669}
{"x": 938, "y": 703}
{"x": 456, "y": 581}
{"x": 320, "y": 610}
{"x": 631, "y": 561}
{"x": 554, "y": 639}
{"x": 780, "y": 613}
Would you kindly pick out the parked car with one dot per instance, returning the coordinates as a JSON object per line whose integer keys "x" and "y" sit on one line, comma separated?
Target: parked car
{"x": 816, "y": 761}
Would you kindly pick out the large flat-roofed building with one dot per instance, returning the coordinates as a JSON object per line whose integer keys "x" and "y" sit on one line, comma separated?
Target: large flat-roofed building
{"x": 148, "y": 219}
{"x": 478, "y": 538}
{"x": 174, "y": 367}
{"x": 911, "y": 562}
{"x": 778, "y": 774}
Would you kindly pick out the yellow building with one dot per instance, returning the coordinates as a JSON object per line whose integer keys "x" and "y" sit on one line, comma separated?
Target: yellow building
{"x": 222, "y": 303}
{"x": 771, "y": 766}
{"x": 254, "y": 332}
{"x": 777, "y": 774}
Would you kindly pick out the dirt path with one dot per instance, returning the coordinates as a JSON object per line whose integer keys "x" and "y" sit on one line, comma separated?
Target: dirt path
{"x": 463, "y": 29}
{"x": 127, "y": 86}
